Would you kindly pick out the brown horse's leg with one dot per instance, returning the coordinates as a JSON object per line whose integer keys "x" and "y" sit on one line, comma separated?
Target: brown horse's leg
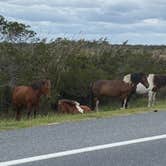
{"x": 128, "y": 97}
{"x": 124, "y": 100}
{"x": 18, "y": 114}
{"x": 122, "y": 103}
{"x": 125, "y": 103}
{"x": 97, "y": 104}
{"x": 29, "y": 109}
{"x": 35, "y": 110}
{"x": 28, "y": 114}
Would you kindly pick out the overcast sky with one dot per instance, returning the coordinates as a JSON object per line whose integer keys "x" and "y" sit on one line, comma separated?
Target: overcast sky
{"x": 139, "y": 21}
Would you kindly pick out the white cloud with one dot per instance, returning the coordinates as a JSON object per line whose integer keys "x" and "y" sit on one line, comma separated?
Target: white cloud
{"x": 118, "y": 20}
{"x": 151, "y": 21}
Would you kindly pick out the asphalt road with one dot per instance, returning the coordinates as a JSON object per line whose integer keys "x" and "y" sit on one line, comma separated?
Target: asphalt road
{"x": 24, "y": 143}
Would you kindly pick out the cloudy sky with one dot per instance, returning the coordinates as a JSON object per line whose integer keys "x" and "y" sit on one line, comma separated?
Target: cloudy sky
{"x": 139, "y": 21}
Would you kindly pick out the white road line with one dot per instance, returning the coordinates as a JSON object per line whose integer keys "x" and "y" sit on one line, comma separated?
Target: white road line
{"x": 81, "y": 150}
{"x": 51, "y": 124}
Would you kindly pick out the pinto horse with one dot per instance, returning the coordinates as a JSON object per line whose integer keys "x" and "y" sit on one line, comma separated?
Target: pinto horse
{"x": 156, "y": 81}
{"x": 29, "y": 96}
{"x": 117, "y": 88}
{"x": 72, "y": 107}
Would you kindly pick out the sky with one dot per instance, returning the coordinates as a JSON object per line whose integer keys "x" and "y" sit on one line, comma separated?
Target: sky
{"x": 138, "y": 21}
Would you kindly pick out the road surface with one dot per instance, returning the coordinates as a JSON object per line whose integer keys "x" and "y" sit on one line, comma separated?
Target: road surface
{"x": 135, "y": 140}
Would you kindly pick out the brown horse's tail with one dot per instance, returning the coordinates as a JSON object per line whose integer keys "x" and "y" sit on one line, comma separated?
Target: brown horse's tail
{"x": 91, "y": 96}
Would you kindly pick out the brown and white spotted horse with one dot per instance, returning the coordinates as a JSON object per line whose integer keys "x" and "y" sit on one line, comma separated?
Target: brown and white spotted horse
{"x": 122, "y": 89}
{"x": 71, "y": 107}
{"x": 156, "y": 81}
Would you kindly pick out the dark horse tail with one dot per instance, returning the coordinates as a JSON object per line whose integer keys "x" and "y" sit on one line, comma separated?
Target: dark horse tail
{"x": 92, "y": 105}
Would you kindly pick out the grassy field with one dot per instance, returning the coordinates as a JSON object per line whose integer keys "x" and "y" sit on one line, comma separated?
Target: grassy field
{"x": 54, "y": 118}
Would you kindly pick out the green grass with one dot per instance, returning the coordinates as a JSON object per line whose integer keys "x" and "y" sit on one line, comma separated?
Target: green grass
{"x": 53, "y": 118}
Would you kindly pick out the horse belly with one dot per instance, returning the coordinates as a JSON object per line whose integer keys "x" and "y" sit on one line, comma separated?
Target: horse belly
{"x": 141, "y": 89}
{"x": 110, "y": 91}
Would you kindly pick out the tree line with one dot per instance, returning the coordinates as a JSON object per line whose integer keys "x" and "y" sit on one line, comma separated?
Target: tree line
{"x": 70, "y": 65}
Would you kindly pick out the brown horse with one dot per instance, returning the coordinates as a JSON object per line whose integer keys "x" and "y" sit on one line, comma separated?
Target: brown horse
{"x": 29, "y": 96}
{"x": 116, "y": 88}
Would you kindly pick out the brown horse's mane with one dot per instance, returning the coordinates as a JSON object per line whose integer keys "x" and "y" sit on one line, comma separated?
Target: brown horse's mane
{"x": 37, "y": 84}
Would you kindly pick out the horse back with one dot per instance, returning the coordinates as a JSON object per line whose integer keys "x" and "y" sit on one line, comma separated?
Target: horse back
{"x": 110, "y": 87}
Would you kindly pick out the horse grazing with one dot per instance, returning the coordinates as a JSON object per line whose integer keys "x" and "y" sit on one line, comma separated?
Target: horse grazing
{"x": 122, "y": 89}
{"x": 29, "y": 96}
{"x": 71, "y": 107}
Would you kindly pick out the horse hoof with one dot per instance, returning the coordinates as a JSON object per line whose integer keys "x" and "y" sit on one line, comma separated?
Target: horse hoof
{"x": 155, "y": 110}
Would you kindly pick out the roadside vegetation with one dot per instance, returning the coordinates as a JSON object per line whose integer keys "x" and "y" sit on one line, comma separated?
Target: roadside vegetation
{"x": 71, "y": 66}
{"x": 52, "y": 118}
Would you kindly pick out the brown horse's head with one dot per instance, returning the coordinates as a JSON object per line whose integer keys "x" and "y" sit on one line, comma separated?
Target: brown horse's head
{"x": 139, "y": 78}
{"x": 46, "y": 89}
{"x": 44, "y": 86}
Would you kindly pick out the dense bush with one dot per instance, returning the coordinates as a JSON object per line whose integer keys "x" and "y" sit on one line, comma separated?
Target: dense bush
{"x": 70, "y": 65}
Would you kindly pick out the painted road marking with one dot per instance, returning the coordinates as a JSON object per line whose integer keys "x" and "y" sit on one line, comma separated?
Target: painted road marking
{"x": 81, "y": 150}
{"x": 51, "y": 124}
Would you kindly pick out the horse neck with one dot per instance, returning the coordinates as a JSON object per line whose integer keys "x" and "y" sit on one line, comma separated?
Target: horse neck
{"x": 136, "y": 78}
{"x": 38, "y": 93}
{"x": 134, "y": 86}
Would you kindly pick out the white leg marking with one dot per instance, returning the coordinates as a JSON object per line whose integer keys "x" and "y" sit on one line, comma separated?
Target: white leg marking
{"x": 97, "y": 105}
{"x": 124, "y": 103}
{"x": 82, "y": 150}
{"x": 79, "y": 108}
{"x": 150, "y": 97}
{"x": 151, "y": 81}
